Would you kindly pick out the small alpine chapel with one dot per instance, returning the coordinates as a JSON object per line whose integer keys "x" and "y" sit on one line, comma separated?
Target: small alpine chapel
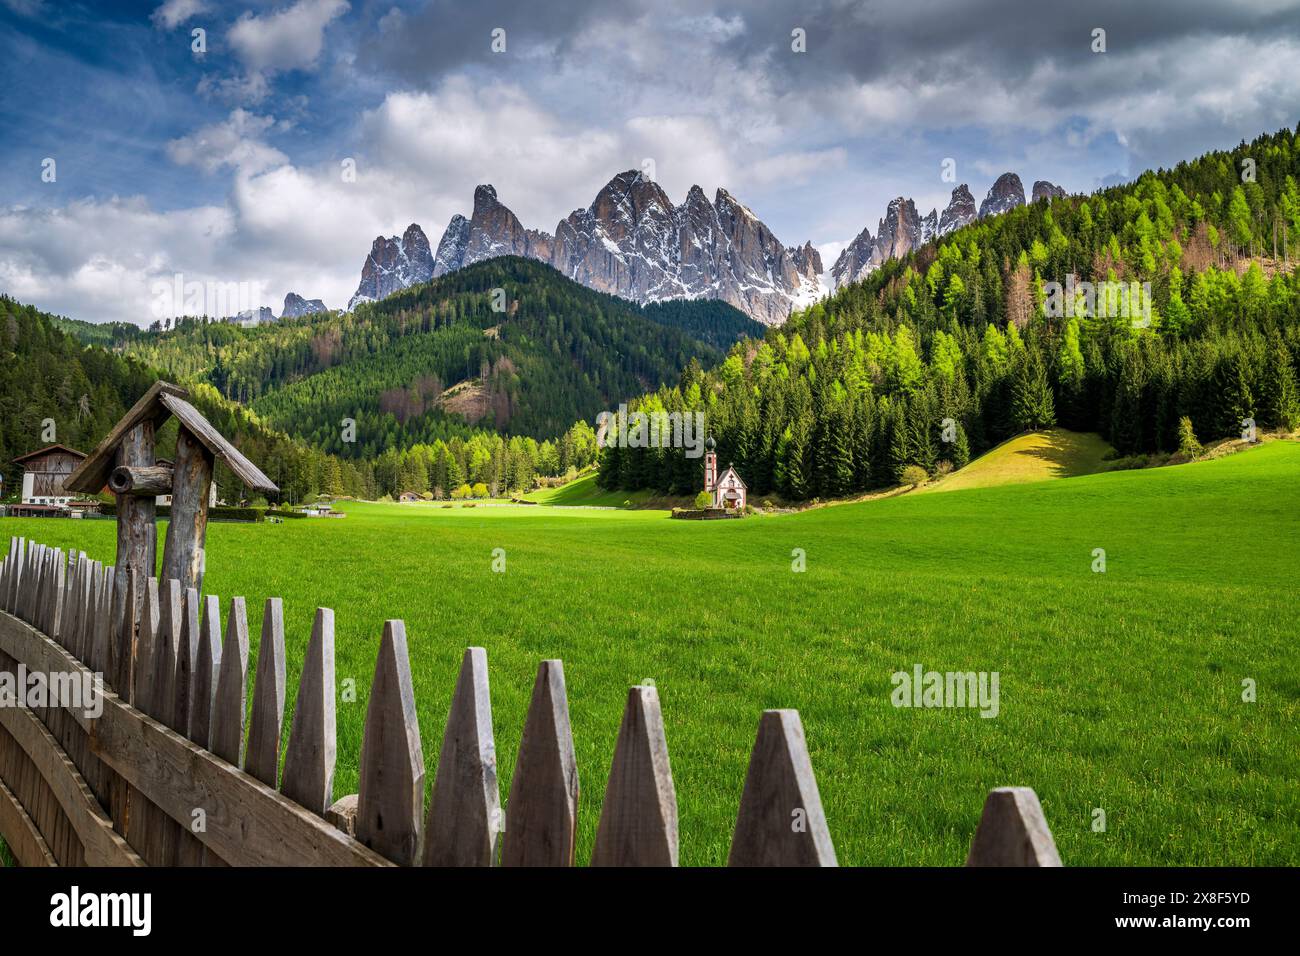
{"x": 727, "y": 489}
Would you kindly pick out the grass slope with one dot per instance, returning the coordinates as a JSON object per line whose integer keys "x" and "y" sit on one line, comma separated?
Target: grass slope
{"x": 585, "y": 491}
{"x": 1119, "y": 690}
{"x": 1036, "y": 456}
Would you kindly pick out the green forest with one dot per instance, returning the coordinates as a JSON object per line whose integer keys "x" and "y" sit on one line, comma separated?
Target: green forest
{"x": 555, "y": 352}
{"x": 453, "y": 388}
{"x": 939, "y": 356}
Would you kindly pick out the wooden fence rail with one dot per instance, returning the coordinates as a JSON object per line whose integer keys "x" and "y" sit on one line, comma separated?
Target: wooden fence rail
{"x": 144, "y": 751}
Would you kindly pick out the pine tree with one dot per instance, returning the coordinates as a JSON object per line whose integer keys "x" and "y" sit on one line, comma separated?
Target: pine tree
{"x": 1279, "y": 406}
{"x": 1032, "y": 407}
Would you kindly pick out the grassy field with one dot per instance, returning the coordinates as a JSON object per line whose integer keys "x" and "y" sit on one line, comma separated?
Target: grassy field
{"x": 1036, "y": 456}
{"x": 1120, "y": 691}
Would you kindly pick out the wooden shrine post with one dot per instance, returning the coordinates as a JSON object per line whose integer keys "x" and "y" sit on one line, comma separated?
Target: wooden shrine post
{"x": 125, "y": 463}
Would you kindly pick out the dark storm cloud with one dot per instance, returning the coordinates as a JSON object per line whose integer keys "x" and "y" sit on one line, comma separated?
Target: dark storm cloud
{"x": 864, "y": 41}
{"x": 1006, "y": 38}
{"x": 441, "y": 37}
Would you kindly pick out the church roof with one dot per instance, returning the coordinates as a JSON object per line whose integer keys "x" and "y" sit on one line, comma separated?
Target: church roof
{"x": 731, "y": 470}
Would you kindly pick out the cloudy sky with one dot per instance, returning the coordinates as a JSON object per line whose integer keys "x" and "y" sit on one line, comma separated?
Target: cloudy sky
{"x": 227, "y": 165}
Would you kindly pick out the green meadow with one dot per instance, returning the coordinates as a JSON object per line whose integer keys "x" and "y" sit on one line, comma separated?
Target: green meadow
{"x": 1120, "y": 691}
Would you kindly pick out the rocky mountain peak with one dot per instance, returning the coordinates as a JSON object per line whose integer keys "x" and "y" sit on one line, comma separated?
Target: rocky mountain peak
{"x": 1004, "y": 195}
{"x": 393, "y": 264}
{"x": 295, "y": 306}
{"x": 1045, "y": 190}
{"x": 959, "y": 212}
{"x": 632, "y": 242}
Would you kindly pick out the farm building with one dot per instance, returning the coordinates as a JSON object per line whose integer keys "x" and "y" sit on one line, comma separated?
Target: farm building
{"x": 728, "y": 490}
{"x": 408, "y": 496}
{"x": 44, "y": 496}
{"x": 44, "y": 471}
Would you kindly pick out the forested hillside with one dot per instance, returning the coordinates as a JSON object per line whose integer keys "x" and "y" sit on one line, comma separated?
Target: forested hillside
{"x": 944, "y": 353}
{"x": 47, "y": 376}
{"x": 556, "y": 352}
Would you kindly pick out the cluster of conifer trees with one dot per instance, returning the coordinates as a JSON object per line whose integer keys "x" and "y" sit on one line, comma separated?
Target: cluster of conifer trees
{"x": 949, "y": 351}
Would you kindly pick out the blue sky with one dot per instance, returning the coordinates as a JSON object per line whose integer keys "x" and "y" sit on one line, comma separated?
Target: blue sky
{"x": 225, "y": 165}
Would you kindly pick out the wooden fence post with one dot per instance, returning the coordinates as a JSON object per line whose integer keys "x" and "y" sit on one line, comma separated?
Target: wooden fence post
{"x": 262, "y": 758}
{"x": 183, "y": 557}
{"x": 464, "y": 822}
{"x": 137, "y": 532}
{"x": 232, "y": 688}
{"x": 638, "y": 819}
{"x": 308, "y": 777}
{"x": 543, "y": 808}
{"x": 207, "y": 665}
{"x": 145, "y": 679}
{"x": 1013, "y": 831}
{"x": 391, "y": 794}
{"x": 781, "y": 822}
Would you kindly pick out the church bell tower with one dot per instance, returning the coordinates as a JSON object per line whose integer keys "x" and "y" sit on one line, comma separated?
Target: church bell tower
{"x": 710, "y": 465}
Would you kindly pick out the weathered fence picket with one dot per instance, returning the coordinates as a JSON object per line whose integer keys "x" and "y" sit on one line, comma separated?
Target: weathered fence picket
{"x": 175, "y": 741}
{"x": 391, "y": 792}
{"x": 262, "y": 756}
{"x": 544, "y": 789}
{"x": 232, "y": 688}
{"x": 638, "y": 820}
{"x": 308, "y": 777}
{"x": 464, "y": 821}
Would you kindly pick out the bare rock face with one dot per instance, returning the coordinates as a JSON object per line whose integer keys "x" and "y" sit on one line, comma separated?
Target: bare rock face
{"x": 898, "y": 233}
{"x": 959, "y": 212}
{"x": 263, "y": 315}
{"x": 393, "y": 265}
{"x": 451, "y": 247}
{"x": 854, "y": 262}
{"x": 633, "y": 242}
{"x": 1006, "y": 194}
{"x": 807, "y": 262}
{"x": 1045, "y": 190}
{"x": 295, "y": 306}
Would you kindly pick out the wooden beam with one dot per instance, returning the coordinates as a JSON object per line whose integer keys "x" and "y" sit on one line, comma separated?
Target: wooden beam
{"x": 20, "y": 832}
{"x": 137, "y": 533}
{"x": 248, "y": 823}
{"x": 141, "y": 480}
{"x": 94, "y": 828}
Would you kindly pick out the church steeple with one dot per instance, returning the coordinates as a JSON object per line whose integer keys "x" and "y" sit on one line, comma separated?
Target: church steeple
{"x": 710, "y": 465}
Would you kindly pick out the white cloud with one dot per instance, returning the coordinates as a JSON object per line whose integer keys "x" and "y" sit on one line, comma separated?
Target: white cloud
{"x": 175, "y": 12}
{"x": 235, "y": 142}
{"x": 288, "y": 39}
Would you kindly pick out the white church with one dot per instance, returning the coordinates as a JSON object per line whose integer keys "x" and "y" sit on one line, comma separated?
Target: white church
{"x": 728, "y": 490}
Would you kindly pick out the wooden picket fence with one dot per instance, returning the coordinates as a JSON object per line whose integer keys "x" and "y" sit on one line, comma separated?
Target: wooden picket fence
{"x": 172, "y": 773}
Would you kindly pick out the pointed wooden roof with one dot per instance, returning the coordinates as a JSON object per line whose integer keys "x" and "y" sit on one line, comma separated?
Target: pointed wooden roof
{"x": 162, "y": 401}
{"x": 731, "y": 470}
{"x": 45, "y": 451}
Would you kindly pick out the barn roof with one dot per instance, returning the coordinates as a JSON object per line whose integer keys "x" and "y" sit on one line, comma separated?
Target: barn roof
{"x": 162, "y": 401}
{"x": 46, "y": 450}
